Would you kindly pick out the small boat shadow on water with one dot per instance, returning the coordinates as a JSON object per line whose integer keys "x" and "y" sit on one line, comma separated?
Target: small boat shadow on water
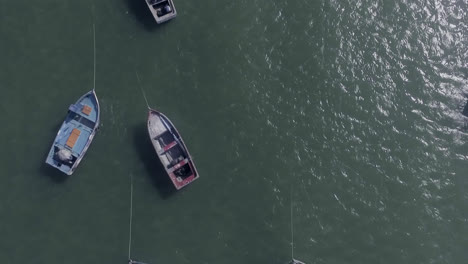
{"x": 151, "y": 161}
{"x": 140, "y": 10}
{"x": 54, "y": 174}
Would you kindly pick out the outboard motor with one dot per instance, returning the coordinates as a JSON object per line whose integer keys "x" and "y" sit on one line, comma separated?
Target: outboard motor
{"x": 167, "y": 9}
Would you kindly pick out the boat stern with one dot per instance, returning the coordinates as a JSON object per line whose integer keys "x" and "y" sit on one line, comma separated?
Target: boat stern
{"x": 59, "y": 166}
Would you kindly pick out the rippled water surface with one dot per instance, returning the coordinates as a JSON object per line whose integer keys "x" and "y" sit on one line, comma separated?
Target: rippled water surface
{"x": 350, "y": 111}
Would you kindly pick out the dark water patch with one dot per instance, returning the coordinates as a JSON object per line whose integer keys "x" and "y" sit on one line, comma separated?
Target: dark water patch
{"x": 52, "y": 173}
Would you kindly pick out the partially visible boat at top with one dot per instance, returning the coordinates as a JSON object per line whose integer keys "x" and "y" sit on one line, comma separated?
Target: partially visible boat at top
{"x": 171, "y": 150}
{"x": 162, "y": 10}
{"x": 295, "y": 261}
{"x": 76, "y": 134}
{"x": 131, "y": 261}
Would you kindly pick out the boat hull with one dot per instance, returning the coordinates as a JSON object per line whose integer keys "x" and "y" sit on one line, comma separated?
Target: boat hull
{"x": 75, "y": 134}
{"x": 171, "y": 150}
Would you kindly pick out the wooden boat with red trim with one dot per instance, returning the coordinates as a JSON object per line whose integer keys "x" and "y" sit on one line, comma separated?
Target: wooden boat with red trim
{"x": 171, "y": 150}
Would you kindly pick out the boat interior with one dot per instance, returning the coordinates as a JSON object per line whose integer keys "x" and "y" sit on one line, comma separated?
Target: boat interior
{"x": 83, "y": 120}
{"x": 184, "y": 171}
{"x": 165, "y": 139}
{"x": 74, "y": 136}
{"x": 169, "y": 147}
{"x": 171, "y": 151}
{"x": 86, "y": 108}
{"x": 173, "y": 156}
{"x": 75, "y": 133}
{"x": 162, "y": 7}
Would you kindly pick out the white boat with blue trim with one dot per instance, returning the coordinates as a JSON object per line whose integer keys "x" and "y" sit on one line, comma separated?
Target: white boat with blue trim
{"x": 76, "y": 134}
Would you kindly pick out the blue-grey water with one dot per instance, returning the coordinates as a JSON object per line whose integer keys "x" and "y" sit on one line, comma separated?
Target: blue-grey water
{"x": 354, "y": 106}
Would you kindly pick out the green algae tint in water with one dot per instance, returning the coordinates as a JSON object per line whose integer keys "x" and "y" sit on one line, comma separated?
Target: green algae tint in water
{"x": 355, "y": 104}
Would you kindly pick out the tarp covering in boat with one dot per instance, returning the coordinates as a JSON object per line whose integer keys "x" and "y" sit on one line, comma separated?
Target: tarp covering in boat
{"x": 64, "y": 154}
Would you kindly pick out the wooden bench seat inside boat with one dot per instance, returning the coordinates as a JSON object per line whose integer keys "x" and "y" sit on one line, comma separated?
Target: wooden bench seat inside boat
{"x": 75, "y": 134}
{"x": 86, "y": 110}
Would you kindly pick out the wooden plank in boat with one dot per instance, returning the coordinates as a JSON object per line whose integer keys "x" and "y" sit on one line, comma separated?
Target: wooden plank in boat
{"x": 86, "y": 110}
{"x": 74, "y": 135}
